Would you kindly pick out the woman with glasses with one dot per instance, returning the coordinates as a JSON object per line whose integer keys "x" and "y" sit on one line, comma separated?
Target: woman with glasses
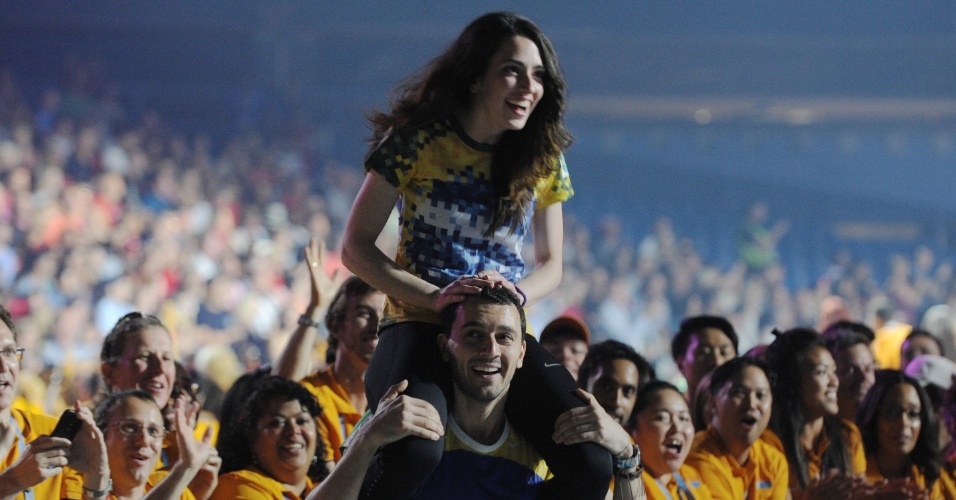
{"x": 271, "y": 444}
{"x": 900, "y": 433}
{"x": 133, "y": 431}
{"x": 138, "y": 354}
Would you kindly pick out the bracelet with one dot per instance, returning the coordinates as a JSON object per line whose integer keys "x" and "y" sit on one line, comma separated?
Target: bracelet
{"x": 100, "y": 493}
{"x": 524, "y": 298}
{"x": 630, "y": 476}
{"x": 307, "y": 321}
{"x": 629, "y": 463}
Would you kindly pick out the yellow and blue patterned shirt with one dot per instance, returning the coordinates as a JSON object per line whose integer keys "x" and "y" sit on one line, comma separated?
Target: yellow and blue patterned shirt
{"x": 447, "y": 201}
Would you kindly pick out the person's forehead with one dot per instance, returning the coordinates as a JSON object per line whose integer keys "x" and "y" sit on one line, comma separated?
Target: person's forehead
{"x": 153, "y": 337}
{"x": 711, "y": 336}
{"x": 133, "y": 408}
{"x": 373, "y": 299}
{"x": 6, "y": 335}
{"x": 475, "y": 311}
{"x": 620, "y": 369}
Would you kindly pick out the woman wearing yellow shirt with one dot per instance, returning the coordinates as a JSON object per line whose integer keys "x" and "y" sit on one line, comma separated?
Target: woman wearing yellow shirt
{"x": 805, "y": 418}
{"x": 730, "y": 456}
{"x": 271, "y": 444}
{"x": 663, "y": 431}
{"x": 900, "y": 433}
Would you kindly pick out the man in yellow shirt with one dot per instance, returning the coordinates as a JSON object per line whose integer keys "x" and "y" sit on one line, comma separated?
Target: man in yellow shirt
{"x": 32, "y": 463}
{"x": 730, "y": 455}
{"x": 352, "y": 322}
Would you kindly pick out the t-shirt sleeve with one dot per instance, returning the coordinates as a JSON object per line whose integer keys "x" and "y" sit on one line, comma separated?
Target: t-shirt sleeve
{"x": 855, "y": 442}
{"x": 395, "y": 157}
{"x": 235, "y": 487}
{"x": 556, "y": 188}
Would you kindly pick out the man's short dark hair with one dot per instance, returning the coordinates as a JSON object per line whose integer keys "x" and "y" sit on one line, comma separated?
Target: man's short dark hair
{"x": 7, "y": 319}
{"x": 847, "y": 326}
{"x": 501, "y": 296}
{"x": 603, "y": 353}
{"x": 919, "y": 332}
{"x": 696, "y": 324}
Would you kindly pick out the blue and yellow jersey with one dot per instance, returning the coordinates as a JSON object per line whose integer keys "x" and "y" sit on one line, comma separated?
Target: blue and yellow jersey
{"x": 447, "y": 202}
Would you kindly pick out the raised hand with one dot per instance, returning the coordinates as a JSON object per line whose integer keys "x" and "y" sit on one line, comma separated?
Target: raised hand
{"x": 43, "y": 458}
{"x": 323, "y": 285}
{"x": 88, "y": 454}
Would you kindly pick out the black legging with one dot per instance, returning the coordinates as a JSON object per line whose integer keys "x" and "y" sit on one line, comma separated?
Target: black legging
{"x": 541, "y": 390}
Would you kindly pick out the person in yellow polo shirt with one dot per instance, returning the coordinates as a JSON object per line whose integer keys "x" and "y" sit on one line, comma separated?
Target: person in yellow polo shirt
{"x": 33, "y": 464}
{"x": 664, "y": 433}
{"x": 899, "y": 432}
{"x": 352, "y": 321}
{"x": 271, "y": 442}
{"x": 730, "y": 457}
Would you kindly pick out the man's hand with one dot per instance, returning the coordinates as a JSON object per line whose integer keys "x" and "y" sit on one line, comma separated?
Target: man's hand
{"x": 592, "y": 424}
{"x": 401, "y": 416}
{"x": 323, "y": 285}
{"x": 88, "y": 454}
{"x": 43, "y": 458}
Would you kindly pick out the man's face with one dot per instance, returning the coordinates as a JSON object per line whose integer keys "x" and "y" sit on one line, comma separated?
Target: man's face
{"x": 485, "y": 347}
{"x": 614, "y": 385}
{"x": 358, "y": 332}
{"x": 569, "y": 350}
{"x": 706, "y": 350}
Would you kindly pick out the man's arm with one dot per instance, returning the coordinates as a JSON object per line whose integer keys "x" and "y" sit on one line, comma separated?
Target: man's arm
{"x": 592, "y": 424}
{"x": 397, "y": 417}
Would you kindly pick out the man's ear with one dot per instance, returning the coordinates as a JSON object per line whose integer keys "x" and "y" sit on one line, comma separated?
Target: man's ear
{"x": 524, "y": 346}
{"x": 443, "y": 346}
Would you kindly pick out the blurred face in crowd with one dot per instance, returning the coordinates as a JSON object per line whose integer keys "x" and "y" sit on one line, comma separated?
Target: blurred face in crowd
{"x": 856, "y": 370}
{"x": 9, "y": 368}
{"x": 899, "y": 420}
{"x": 664, "y": 432}
{"x": 741, "y": 410}
{"x": 569, "y": 350}
{"x": 284, "y": 440}
{"x": 818, "y": 383}
{"x": 146, "y": 363}
{"x": 134, "y": 440}
{"x": 358, "y": 332}
{"x": 915, "y": 346}
{"x": 707, "y": 350}
{"x": 614, "y": 385}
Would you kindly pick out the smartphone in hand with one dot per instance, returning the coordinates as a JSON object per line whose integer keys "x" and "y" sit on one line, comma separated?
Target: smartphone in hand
{"x": 68, "y": 425}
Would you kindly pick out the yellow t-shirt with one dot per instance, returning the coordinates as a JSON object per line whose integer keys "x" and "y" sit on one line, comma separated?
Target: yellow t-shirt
{"x": 765, "y": 476}
{"x": 854, "y": 443}
{"x": 73, "y": 487}
{"x": 944, "y": 487}
{"x": 251, "y": 485}
{"x": 692, "y": 481}
{"x": 887, "y": 343}
{"x": 32, "y": 426}
{"x": 338, "y": 416}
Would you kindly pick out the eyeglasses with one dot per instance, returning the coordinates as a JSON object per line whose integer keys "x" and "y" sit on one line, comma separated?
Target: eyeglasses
{"x": 129, "y": 429}
{"x": 12, "y": 354}
{"x": 895, "y": 413}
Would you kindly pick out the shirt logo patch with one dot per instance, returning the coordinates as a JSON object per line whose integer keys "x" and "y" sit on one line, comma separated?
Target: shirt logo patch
{"x": 764, "y": 485}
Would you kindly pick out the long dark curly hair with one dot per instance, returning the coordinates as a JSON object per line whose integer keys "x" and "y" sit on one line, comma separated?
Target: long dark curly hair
{"x": 442, "y": 90}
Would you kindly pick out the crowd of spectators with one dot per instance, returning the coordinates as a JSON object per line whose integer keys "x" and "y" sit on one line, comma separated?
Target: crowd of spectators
{"x": 103, "y": 212}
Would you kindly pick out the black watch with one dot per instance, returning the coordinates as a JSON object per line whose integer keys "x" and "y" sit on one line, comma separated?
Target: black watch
{"x": 307, "y": 321}
{"x": 629, "y": 463}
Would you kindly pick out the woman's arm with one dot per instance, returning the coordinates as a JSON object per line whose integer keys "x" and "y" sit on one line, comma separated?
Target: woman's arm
{"x": 369, "y": 214}
{"x": 547, "y": 228}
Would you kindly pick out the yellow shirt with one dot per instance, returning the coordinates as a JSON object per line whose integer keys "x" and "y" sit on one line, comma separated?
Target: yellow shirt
{"x": 946, "y": 483}
{"x": 73, "y": 487}
{"x": 338, "y": 415}
{"x": 32, "y": 426}
{"x": 246, "y": 484}
{"x": 916, "y": 477}
{"x": 765, "y": 476}
{"x": 887, "y": 343}
{"x": 669, "y": 491}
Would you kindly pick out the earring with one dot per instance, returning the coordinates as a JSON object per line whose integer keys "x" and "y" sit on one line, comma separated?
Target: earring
{"x": 315, "y": 459}
{"x": 474, "y": 88}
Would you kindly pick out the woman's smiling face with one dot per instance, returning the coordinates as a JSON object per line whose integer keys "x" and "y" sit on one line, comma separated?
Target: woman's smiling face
{"x": 664, "y": 432}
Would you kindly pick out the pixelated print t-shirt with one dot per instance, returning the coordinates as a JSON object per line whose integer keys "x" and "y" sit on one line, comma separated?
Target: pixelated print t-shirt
{"x": 444, "y": 178}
